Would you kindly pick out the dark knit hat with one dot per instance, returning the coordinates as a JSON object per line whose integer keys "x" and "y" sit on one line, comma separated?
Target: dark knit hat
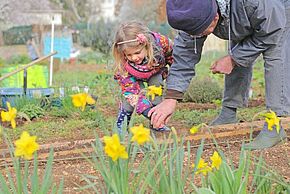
{"x": 191, "y": 16}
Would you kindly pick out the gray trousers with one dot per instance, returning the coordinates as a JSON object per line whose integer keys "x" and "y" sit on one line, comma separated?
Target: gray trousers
{"x": 277, "y": 78}
{"x": 154, "y": 80}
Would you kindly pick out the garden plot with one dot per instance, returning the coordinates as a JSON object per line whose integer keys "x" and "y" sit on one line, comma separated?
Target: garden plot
{"x": 70, "y": 163}
{"x": 74, "y": 132}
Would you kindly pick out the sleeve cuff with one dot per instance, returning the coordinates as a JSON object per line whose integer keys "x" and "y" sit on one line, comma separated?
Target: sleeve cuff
{"x": 173, "y": 94}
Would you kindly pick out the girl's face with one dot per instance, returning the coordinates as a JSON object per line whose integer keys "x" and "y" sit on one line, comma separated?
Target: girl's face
{"x": 135, "y": 55}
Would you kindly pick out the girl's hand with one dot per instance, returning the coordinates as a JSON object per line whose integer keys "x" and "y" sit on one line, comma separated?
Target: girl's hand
{"x": 161, "y": 113}
{"x": 224, "y": 65}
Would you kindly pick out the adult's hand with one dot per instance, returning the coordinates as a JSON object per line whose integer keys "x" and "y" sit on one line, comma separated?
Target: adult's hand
{"x": 161, "y": 113}
{"x": 224, "y": 65}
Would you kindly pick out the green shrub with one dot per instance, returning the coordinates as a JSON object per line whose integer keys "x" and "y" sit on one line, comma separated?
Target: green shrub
{"x": 32, "y": 111}
{"x": 195, "y": 117}
{"x": 95, "y": 118}
{"x": 92, "y": 57}
{"x": 98, "y": 36}
{"x": 19, "y": 59}
{"x": 2, "y": 62}
{"x": 63, "y": 112}
{"x": 20, "y": 101}
{"x": 203, "y": 90}
{"x": 17, "y": 35}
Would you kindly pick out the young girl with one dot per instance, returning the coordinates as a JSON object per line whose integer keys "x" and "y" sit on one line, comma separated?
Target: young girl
{"x": 140, "y": 56}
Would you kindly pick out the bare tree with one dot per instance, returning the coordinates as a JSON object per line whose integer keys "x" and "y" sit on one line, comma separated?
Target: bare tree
{"x": 118, "y": 7}
{"x": 80, "y": 10}
{"x": 139, "y": 9}
{"x": 11, "y": 11}
{"x": 5, "y": 9}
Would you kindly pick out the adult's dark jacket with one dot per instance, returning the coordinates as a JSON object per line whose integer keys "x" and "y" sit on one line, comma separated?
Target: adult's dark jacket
{"x": 255, "y": 26}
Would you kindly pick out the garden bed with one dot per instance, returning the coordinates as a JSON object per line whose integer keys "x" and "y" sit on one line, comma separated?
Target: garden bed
{"x": 70, "y": 164}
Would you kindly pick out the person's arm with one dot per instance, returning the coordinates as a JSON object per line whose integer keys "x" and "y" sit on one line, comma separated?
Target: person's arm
{"x": 268, "y": 21}
{"x": 186, "y": 53}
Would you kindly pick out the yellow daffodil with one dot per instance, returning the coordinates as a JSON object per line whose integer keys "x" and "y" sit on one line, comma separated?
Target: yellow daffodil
{"x": 113, "y": 148}
{"x": 154, "y": 90}
{"x": 10, "y": 115}
{"x": 82, "y": 99}
{"x": 25, "y": 146}
{"x": 194, "y": 129}
{"x": 141, "y": 134}
{"x": 272, "y": 119}
{"x": 202, "y": 167}
{"x": 216, "y": 160}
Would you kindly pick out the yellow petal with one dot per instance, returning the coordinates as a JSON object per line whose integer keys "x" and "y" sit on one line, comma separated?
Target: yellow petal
{"x": 79, "y": 100}
{"x": 5, "y": 116}
{"x": 216, "y": 160}
{"x": 90, "y": 100}
{"x": 13, "y": 123}
{"x": 10, "y": 115}
{"x": 153, "y": 96}
{"x": 8, "y": 106}
{"x": 113, "y": 148}
{"x": 202, "y": 167}
{"x": 153, "y": 90}
{"x": 272, "y": 120}
{"x": 270, "y": 123}
{"x": 204, "y": 170}
{"x": 159, "y": 91}
{"x": 201, "y": 164}
{"x": 26, "y": 146}
{"x": 141, "y": 134}
{"x": 195, "y": 129}
{"x": 13, "y": 113}
{"x": 123, "y": 154}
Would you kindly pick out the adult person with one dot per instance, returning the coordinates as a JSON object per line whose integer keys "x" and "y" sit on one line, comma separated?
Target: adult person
{"x": 31, "y": 48}
{"x": 253, "y": 27}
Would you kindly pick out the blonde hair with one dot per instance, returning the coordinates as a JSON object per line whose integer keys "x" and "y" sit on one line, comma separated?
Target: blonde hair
{"x": 129, "y": 31}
